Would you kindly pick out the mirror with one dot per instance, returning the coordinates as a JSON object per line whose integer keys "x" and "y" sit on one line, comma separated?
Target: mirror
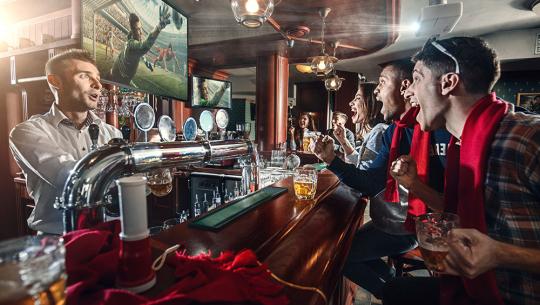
{"x": 166, "y": 128}
{"x": 145, "y": 118}
{"x": 190, "y": 129}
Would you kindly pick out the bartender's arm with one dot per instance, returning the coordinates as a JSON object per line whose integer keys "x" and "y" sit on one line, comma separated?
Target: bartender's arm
{"x": 404, "y": 171}
{"x": 36, "y": 152}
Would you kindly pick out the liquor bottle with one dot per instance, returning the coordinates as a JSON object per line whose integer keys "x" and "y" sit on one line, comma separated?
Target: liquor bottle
{"x": 197, "y": 206}
{"x": 218, "y": 197}
{"x": 204, "y": 205}
{"x": 236, "y": 190}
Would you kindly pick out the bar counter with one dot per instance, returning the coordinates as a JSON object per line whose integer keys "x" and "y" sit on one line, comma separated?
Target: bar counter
{"x": 302, "y": 242}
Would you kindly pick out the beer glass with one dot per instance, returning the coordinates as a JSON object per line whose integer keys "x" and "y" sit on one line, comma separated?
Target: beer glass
{"x": 160, "y": 181}
{"x": 305, "y": 183}
{"x": 432, "y": 231}
{"x": 32, "y": 270}
{"x": 169, "y": 223}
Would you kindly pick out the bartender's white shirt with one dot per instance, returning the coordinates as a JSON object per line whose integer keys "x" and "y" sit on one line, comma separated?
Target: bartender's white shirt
{"x": 47, "y": 147}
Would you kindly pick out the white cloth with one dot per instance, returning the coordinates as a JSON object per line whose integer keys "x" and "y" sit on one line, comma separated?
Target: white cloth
{"x": 47, "y": 149}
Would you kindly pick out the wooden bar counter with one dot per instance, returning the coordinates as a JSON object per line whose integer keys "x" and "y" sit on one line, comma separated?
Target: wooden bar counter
{"x": 302, "y": 242}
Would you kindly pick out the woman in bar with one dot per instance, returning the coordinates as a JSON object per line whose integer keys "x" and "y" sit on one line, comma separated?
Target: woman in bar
{"x": 366, "y": 111}
{"x": 296, "y": 135}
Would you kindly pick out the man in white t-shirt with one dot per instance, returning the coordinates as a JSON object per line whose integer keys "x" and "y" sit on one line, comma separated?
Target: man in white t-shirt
{"x": 48, "y": 146}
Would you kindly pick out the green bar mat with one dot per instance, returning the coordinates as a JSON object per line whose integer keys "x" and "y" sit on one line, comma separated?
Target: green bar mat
{"x": 217, "y": 219}
{"x": 319, "y": 166}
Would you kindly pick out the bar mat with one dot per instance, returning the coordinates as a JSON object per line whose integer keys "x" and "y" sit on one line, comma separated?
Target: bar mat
{"x": 217, "y": 219}
{"x": 319, "y": 166}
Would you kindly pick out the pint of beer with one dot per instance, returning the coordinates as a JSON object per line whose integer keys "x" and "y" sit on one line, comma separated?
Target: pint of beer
{"x": 432, "y": 231}
{"x": 32, "y": 271}
{"x": 305, "y": 183}
{"x": 160, "y": 181}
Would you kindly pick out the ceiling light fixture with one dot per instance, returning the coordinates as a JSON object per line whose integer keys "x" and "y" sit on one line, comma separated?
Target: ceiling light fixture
{"x": 252, "y": 13}
{"x": 323, "y": 64}
{"x": 333, "y": 82}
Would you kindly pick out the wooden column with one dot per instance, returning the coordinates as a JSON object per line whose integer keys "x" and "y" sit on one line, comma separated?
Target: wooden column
{"x": 272, "y": 95}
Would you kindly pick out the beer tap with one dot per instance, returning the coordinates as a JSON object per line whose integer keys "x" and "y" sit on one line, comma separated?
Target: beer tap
{"x": 93, "y": 129}
{"x": 126, "y": 132}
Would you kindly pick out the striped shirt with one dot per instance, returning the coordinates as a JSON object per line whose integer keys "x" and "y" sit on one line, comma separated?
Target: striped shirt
{"x": 512, "y": 199}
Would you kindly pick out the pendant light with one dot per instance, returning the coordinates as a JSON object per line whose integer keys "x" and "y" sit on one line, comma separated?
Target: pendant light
{"x": 252, "y": 13}
{"x": 333, "y": 82}
{"x": 323, "y": 64}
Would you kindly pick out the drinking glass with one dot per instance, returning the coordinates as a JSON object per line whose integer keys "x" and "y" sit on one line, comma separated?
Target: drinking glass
{"x": 432, "y": 231}
{"x": 32, "y": 270}
{"x": 160, "y": 181}
{"x": 305, "y": 183}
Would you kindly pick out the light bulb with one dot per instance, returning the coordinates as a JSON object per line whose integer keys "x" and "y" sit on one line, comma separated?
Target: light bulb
{"x": 252, "y": 6}
{"x": 321, "y": 65}
{"x": 333, "y": 83}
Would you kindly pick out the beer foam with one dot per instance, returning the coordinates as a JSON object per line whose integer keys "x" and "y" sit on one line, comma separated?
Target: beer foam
{"x": 438, "y": 244}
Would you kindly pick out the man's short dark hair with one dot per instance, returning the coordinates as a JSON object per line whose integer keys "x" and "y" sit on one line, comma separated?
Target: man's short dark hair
{"x": 133, "y": 18}
{"x": 340, "y": 115}
{"x": 479, "y": 67}
{"x": 404, "y": 68}
{"x": 54, "y": 64}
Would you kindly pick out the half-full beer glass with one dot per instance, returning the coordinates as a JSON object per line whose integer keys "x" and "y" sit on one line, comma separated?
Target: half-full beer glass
{"x": 305, "y": 183}
{"x": 32, "y": 271}
{"x": 432, "y": 231}
{"x": 160, "y": 181}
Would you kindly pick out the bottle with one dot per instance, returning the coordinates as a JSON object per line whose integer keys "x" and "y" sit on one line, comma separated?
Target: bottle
{"x": 197, "y": 206}
{"x": 236, "y": 190}
{"x": 204, "y": 205}
{"x": 226, "y": 197}
{"x": 212, "y": 201}
{"x": 218, "y": 197}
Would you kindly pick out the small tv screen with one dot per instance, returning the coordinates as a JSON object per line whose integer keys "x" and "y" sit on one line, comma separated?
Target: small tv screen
{"x": 141, "y": 44}
{"x": 206, "y": 92}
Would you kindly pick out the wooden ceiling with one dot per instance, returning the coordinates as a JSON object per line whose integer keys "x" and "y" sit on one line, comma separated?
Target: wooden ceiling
{"x": 361, "y": 27}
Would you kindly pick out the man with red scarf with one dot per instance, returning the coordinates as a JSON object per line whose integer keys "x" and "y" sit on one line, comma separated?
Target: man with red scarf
{"x": 492, "y": 181}
{"x": 388, "y": 232}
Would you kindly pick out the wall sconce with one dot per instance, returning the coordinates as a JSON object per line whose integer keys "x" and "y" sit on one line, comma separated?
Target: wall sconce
{"x": 333, "y": 82}
{"x": 324, "y": 63}
{"x": 252, "y": 13}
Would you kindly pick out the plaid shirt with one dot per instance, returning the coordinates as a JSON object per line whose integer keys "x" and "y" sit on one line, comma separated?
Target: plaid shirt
{"x": 512, "y": 199}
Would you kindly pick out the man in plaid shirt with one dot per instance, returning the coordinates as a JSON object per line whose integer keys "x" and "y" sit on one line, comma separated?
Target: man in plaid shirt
{"x": 452, "y": 80}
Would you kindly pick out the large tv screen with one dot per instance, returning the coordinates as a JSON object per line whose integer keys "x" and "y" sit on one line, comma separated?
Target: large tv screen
{"x": 141, "y": 44}
{"x": 206, "y": 92}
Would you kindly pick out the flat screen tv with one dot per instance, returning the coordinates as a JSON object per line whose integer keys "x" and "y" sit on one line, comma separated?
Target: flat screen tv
{"x": 207, "y": 92}
{"x": 140, "y": 44}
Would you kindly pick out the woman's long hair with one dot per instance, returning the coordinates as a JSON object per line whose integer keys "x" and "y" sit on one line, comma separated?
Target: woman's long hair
{"x": 372, "y": 108}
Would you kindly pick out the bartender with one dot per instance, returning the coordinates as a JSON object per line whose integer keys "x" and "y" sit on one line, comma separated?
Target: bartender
{"x": 47, "y": 146}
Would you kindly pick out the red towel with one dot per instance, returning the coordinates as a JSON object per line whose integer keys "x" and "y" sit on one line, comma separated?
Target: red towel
{"x": 464, "y": 195}
{"x": 92, "y": 260}
{"x": 420, "y": 153}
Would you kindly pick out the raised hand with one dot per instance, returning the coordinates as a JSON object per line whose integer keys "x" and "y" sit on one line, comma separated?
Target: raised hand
{"x": 164, "y": 17}
{"x": 339, "y": 133}
{"x": 324, "y": 149}
{"x": 404, "y": 170}
{"x": 471, "y": 253}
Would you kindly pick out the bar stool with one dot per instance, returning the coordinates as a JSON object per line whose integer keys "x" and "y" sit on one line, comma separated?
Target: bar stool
{"x": 408, "y": 262}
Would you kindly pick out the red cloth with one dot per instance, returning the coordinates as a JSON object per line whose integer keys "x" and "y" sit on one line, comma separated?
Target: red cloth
{"x": 92, "y": 261}
{"x": 464, "y": 195}
{"x": 420, "y": 153}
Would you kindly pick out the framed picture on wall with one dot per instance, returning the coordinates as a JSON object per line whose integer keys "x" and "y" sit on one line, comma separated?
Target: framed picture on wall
{"x": 529, "y": 100}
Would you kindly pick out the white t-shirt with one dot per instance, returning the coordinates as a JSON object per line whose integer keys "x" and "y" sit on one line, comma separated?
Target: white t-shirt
{"x": 46, "y": 147}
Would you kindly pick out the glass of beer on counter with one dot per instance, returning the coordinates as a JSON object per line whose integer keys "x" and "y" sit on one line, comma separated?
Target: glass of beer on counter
{"x": 432, "y": 231}
{"x": 305, "y": 183}
{"x": 32, "y": 271}
{"x": 160, "y": 181}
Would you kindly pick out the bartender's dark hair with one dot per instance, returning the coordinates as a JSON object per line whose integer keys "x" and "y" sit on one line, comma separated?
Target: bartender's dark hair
{"x": 54, "y": 64}
{"x": 404, "y": 68}
{"x": 479, "y": 67}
